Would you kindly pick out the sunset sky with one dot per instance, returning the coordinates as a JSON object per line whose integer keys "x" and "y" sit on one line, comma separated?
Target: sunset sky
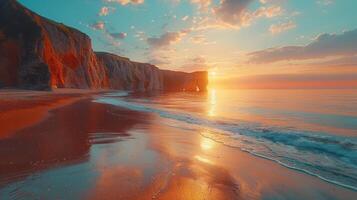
{"x": 247, "y": 43}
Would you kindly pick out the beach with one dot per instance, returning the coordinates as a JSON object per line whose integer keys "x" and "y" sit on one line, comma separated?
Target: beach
{"x": 66, "y": 146}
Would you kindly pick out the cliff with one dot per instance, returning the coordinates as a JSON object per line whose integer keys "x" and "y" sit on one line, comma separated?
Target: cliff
{"x": 182, "y": 81}
{"x": 128, "y": 75}
{"x": 37, "y": 53}
{"x": 40, "y": 54}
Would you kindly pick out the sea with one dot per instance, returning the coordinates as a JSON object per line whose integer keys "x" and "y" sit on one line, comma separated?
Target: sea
{"x": 311, "y": 131}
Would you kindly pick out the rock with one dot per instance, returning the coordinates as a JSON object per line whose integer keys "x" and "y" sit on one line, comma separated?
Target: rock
{"x": 181, "y": 81}
{"x": 128, "y": 75}
{"x": 37, "y": 53}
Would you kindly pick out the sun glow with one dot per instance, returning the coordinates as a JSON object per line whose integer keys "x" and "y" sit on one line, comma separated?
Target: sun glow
{"x": 212, "y": 74}
{"x": 212, "y": 93}
{"x": 207, "y": 144}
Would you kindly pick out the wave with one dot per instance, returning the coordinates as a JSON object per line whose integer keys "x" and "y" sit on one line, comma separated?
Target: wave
{"x": 328, "y": 157}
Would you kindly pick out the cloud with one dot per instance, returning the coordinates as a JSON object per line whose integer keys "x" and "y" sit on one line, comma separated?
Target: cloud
{"x": 232, "y": 11}
{"x": 120, "y": 35}
{"x": 199, "y": 60}
{"x": 165, "y": 39}
{"x": 198, "y": 39}
{"x": 140, "y": 35}
{"x": 347, "y": 61}
{"x": 104, "y": 11}
{"x": 268, "y": 12}
{"x": 325, "y": 45}
{"x": 202, "y": 4}
{"x": 185, "y": 18}
{"x": 234, "y": 14}
{"x": 198, "y": 63}
{"x": 98, "y": 25}
{"x": 278, "y": 28}
{"x": 126, "y": 2}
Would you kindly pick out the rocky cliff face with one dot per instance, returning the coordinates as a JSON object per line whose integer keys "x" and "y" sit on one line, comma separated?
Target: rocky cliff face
{"x": 128, "y": 75}
{"x": 37, "y": 53}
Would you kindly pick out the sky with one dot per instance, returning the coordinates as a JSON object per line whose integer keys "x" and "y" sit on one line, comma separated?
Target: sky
{"x": 244, "y": 43}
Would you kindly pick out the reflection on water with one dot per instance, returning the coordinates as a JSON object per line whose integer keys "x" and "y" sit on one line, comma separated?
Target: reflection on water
{"x": 330, "y": 111}
{"x": 212, "y": 94}
{"x": 203, "y": 159}
{"x": 206, "y": 143}
{"x": 70, "y": 153}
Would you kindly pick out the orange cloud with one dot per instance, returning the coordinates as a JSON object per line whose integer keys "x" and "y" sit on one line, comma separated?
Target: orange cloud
{"x": 282, "y": 27}
{"x": 104, "y": 11}
{"x": 126, "y": 2}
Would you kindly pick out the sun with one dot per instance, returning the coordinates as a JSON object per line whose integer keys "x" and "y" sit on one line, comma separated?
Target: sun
{"x": 212, "y": 76}
{"x": 213, "y": 73}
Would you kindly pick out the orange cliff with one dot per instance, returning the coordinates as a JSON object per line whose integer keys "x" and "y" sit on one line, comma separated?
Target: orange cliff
{"x": 40, "y": 54}
{"x": 44, "y": 54}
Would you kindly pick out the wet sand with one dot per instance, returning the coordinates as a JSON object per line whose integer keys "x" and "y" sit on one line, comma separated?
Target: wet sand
{"x": 21, "y": 108}
{"x": 77, "y": 149}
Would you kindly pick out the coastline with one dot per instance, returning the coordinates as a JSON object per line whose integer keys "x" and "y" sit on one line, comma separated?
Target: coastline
{"x": 73, "y": 140}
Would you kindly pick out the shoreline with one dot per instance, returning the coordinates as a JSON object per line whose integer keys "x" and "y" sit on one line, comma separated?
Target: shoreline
{"x": 336, "y": 183}
{"x": 102, "y": 147}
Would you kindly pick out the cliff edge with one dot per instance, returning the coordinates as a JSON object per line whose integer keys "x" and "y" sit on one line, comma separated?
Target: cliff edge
{"x": 40, "y": 54}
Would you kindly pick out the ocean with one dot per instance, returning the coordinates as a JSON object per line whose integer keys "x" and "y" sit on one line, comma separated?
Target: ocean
{"x": 311, "y": 131}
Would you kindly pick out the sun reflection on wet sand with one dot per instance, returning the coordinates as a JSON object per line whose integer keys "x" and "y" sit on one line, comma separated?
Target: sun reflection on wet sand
{"x": 207, "y": 144}
{"x": 203, "y": 159}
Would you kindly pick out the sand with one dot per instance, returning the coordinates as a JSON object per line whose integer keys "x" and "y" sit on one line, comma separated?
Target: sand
{"x": 21, "y": 108}
{"x": 64, "y": 146}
